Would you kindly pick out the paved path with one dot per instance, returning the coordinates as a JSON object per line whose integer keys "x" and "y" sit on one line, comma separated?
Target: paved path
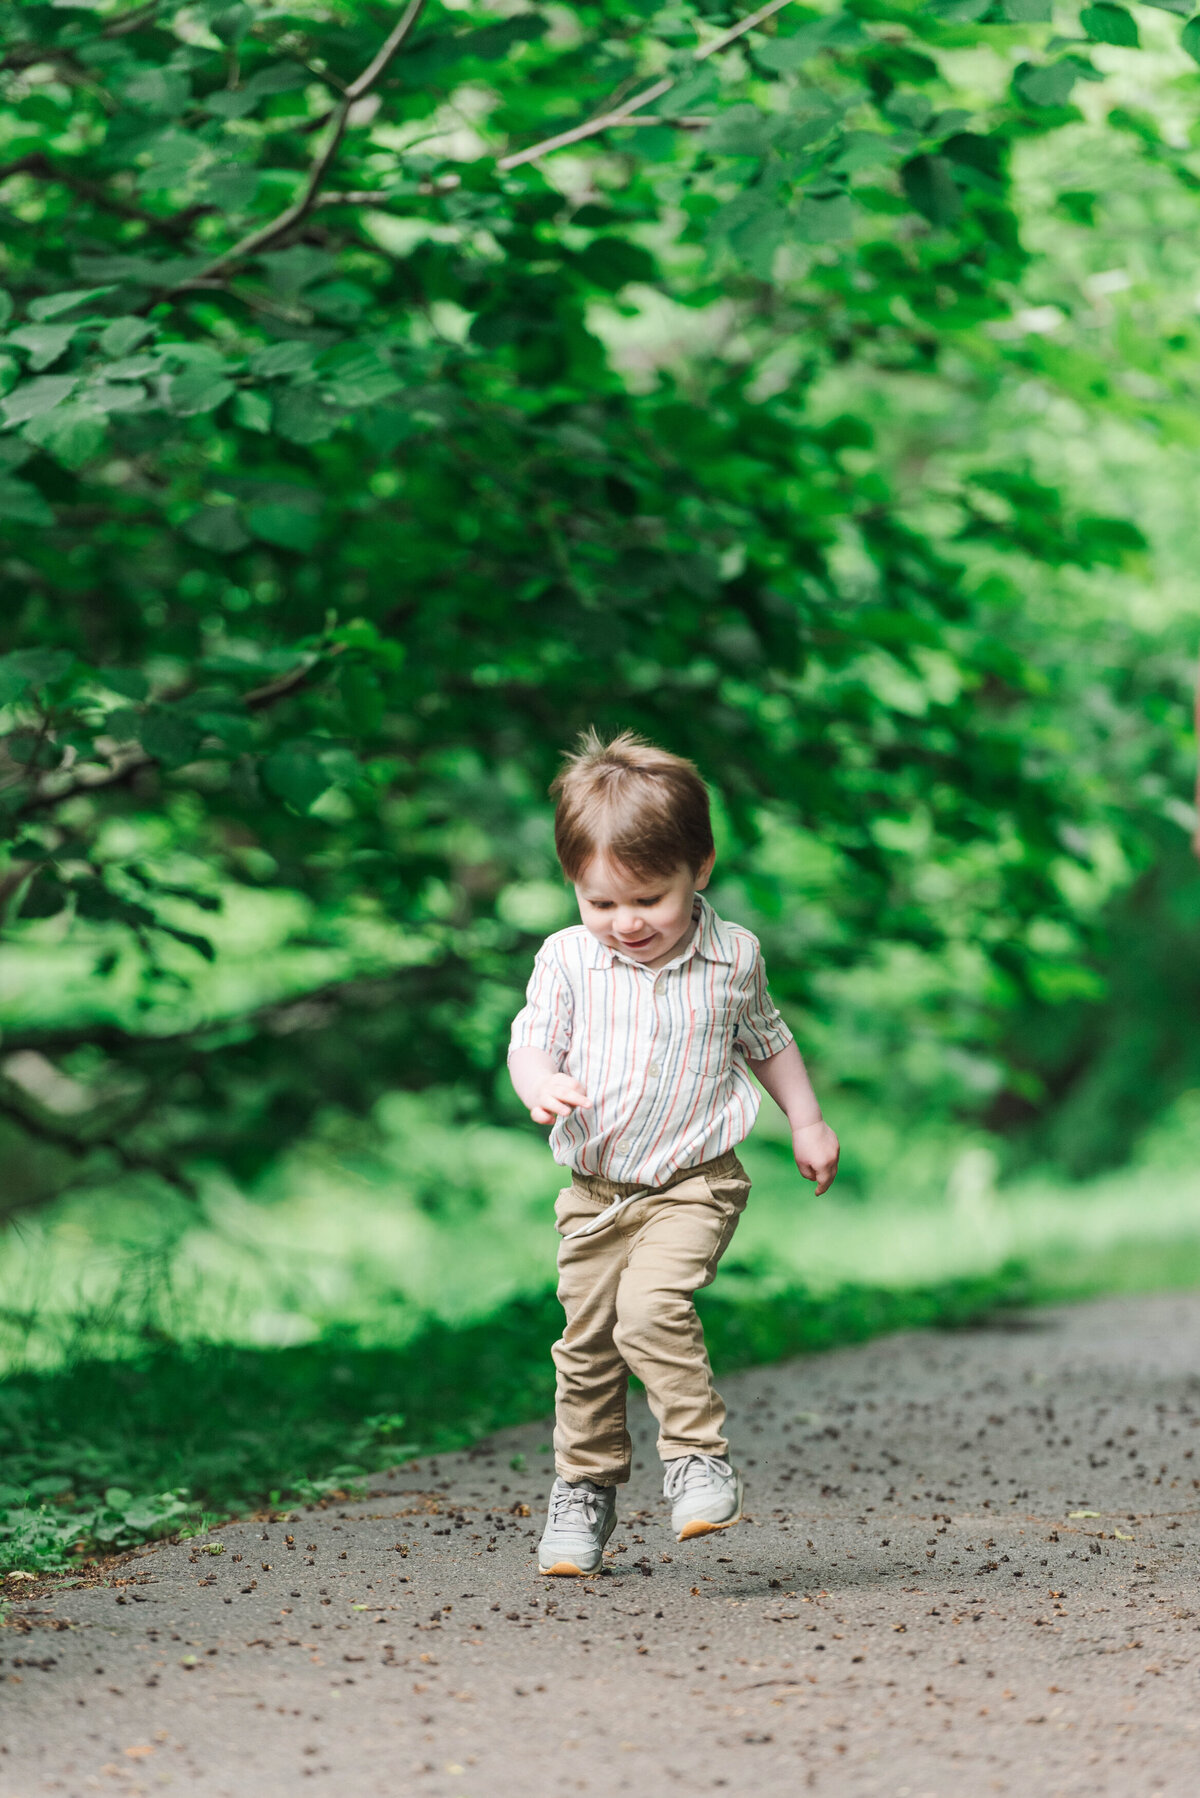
{"x": 909, "y": 1611}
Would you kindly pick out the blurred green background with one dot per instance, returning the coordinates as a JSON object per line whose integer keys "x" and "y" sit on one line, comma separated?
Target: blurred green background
{"x": 834, "y": 423}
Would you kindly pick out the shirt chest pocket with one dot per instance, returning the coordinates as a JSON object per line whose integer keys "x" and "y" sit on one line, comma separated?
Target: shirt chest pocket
{"x": 710, "y": 1048}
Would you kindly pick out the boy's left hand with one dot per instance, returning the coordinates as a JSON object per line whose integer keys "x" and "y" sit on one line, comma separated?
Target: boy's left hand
{"x": 816, "y": 1149}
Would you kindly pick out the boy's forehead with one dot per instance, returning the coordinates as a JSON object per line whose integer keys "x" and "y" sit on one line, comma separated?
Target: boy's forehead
{"x": 606, "y": 879}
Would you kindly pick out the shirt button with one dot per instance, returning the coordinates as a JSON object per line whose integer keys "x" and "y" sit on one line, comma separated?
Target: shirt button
{"x": 622, "y": 1147}
{"x": 654, "y": 1068}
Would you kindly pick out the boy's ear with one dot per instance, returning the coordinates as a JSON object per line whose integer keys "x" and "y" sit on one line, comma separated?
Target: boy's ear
{"x": 704, "y": 871}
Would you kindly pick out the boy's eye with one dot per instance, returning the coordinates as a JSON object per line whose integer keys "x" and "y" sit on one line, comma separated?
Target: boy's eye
{"x": 606, "y": 904}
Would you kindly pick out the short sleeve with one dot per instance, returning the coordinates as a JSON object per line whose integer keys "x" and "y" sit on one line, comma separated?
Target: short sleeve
{"x": 761, "y": 1029}
{"x": 544, "y": 1021}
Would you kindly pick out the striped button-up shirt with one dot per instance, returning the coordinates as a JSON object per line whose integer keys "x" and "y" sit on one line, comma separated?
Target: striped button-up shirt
{"x": 660, "y": 1052}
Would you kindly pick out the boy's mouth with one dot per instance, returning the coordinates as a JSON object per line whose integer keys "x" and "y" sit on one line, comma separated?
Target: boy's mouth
{"x": 642, "y": 943}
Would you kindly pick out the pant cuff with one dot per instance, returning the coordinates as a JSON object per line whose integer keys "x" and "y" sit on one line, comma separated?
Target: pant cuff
{"x": 614, "y": 1477}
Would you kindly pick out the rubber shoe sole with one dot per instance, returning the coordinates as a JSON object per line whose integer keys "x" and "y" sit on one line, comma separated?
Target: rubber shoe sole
{"x": 568, "y": 1569}
{"x": 699, "y": 1526}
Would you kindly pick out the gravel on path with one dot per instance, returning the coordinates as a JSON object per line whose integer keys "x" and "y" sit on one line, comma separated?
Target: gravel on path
{"x": 968, "y": 1566}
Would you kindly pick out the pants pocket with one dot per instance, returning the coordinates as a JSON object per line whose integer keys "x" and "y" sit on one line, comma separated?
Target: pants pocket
{"x": 573, "y": 1207}
{"x": 730, "y": 1188}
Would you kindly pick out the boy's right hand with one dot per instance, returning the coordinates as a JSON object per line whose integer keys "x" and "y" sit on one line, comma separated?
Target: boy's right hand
{"x": 557, "y": 1097}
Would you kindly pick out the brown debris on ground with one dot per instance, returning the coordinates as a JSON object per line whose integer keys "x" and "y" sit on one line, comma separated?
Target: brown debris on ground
{"x": 968, "y": 1566}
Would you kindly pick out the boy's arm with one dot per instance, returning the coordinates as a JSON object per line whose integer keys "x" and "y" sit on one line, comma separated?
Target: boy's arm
{"x": 814, "y": 1144}
{"x": 541, "y": 1087}
{"x": 541, "y": 1036}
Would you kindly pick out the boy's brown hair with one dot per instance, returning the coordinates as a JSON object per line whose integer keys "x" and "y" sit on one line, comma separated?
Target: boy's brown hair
{"x": 636, "y": 804}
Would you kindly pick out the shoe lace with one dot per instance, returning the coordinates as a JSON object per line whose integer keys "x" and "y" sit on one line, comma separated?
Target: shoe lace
{"x": 566, "y": 1498}
{"x": 692, "y": 1470}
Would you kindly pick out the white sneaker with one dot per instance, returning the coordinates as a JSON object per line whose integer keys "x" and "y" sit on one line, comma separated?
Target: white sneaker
{"x": 580, "y": 1520}
{"x": 705, "y": 1494}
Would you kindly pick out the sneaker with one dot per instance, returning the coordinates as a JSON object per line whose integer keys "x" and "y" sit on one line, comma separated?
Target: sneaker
{"x": 580, "y": 1520}
{"x": 705, "y": 1494}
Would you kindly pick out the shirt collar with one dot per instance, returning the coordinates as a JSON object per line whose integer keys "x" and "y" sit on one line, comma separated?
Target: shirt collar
{"x": 710, "y": 941}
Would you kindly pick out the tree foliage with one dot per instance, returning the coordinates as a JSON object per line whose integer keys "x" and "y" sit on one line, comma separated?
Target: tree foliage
{"x": 332, "y": 506}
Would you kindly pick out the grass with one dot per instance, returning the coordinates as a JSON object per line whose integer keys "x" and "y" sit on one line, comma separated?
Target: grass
{"x": 106, "y": 1452}
{"x": 166, "y": 1367}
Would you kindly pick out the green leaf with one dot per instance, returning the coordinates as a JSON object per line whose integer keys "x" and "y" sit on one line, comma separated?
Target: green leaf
{"x": 824, "y": 221}
{"x": 113, "y": 396}
{"x": 303, "y": 416}
{"x": 168, "y": 736}
{"x": 692, "y": 91}
{"x": 1079, "y": 204}
{"x": 1190, "y": 38}
{"x": 252, "y": 410}
{"x": 296, "y": 776}
{"x": 960, "y": 12}
{"x": 979, "y": 160}
{"x": 1046, "y": 84}
{"x": 231, "y": 187}
{"x": 354, "y": 376}
{"x": 1182, "y": 7}
{"x": 287, "y": 526}
{"x": 1110, "y": 541}
{"x": 742, "y": 131}
{"x": 32, "y": 398}
{"x": 865, "y": 150}
{"x": 290, "y": 271}
{"x": 125, "y": 335}
{"x": 218, "y": 528}
{"x": 343, "y": 301}
{"x": 492, "y": 41}
{"x": 45, "y": 343}
{"x": 237, "y": 103}
{"x": 162, "y": 92}
{"x": 1027, "y": 12}
{"x": 1109, "y": 24}
{"x": 612, "y": 262}
{"x": 759, "y": 234}
{"x": 929, "y": 183}
{"x": 12, "y": 684}
{"x": 284, "y": 359}
{"x": 52, "y": 304}
{"x": 6, "y": 306}
{"x": 130, "y": 683}
{"x": 198, "y": 390}
{"x": 72, "y": 434}
{"x": 173, "y": 155}
{"x": 234, "y": 729}
{"x": 784, "y": 54}
{"x": 362, "y": 697}
{"x": 37, "y": 667}
{"x": 22, "y": 504}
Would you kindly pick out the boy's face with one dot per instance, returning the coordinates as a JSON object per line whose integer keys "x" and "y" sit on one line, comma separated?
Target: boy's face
{"x": 646, "y": 920}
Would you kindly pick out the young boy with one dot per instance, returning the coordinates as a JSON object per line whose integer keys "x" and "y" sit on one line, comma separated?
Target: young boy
{"x": 638, "y": 1029}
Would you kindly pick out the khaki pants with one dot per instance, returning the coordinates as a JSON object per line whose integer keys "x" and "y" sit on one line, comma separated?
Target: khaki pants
{"x": 627, "y": 1292}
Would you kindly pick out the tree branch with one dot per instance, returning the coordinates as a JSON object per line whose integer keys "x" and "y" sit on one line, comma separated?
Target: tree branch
{"x": 78, "y": 1146}
{"x": 621, "y": 115}
{"x": 256, "y": 241}
{"x": 129, "y": 21}
{"x": 39, "y": 165}
{"x": 124, "y": 766}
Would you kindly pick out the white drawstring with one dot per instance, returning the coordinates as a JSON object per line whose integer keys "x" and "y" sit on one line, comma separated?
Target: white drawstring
{"x": 610, "y": 1211}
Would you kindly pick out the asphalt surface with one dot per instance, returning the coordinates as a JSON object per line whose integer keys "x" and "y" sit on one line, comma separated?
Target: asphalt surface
{"x": 968, "y": 1565}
